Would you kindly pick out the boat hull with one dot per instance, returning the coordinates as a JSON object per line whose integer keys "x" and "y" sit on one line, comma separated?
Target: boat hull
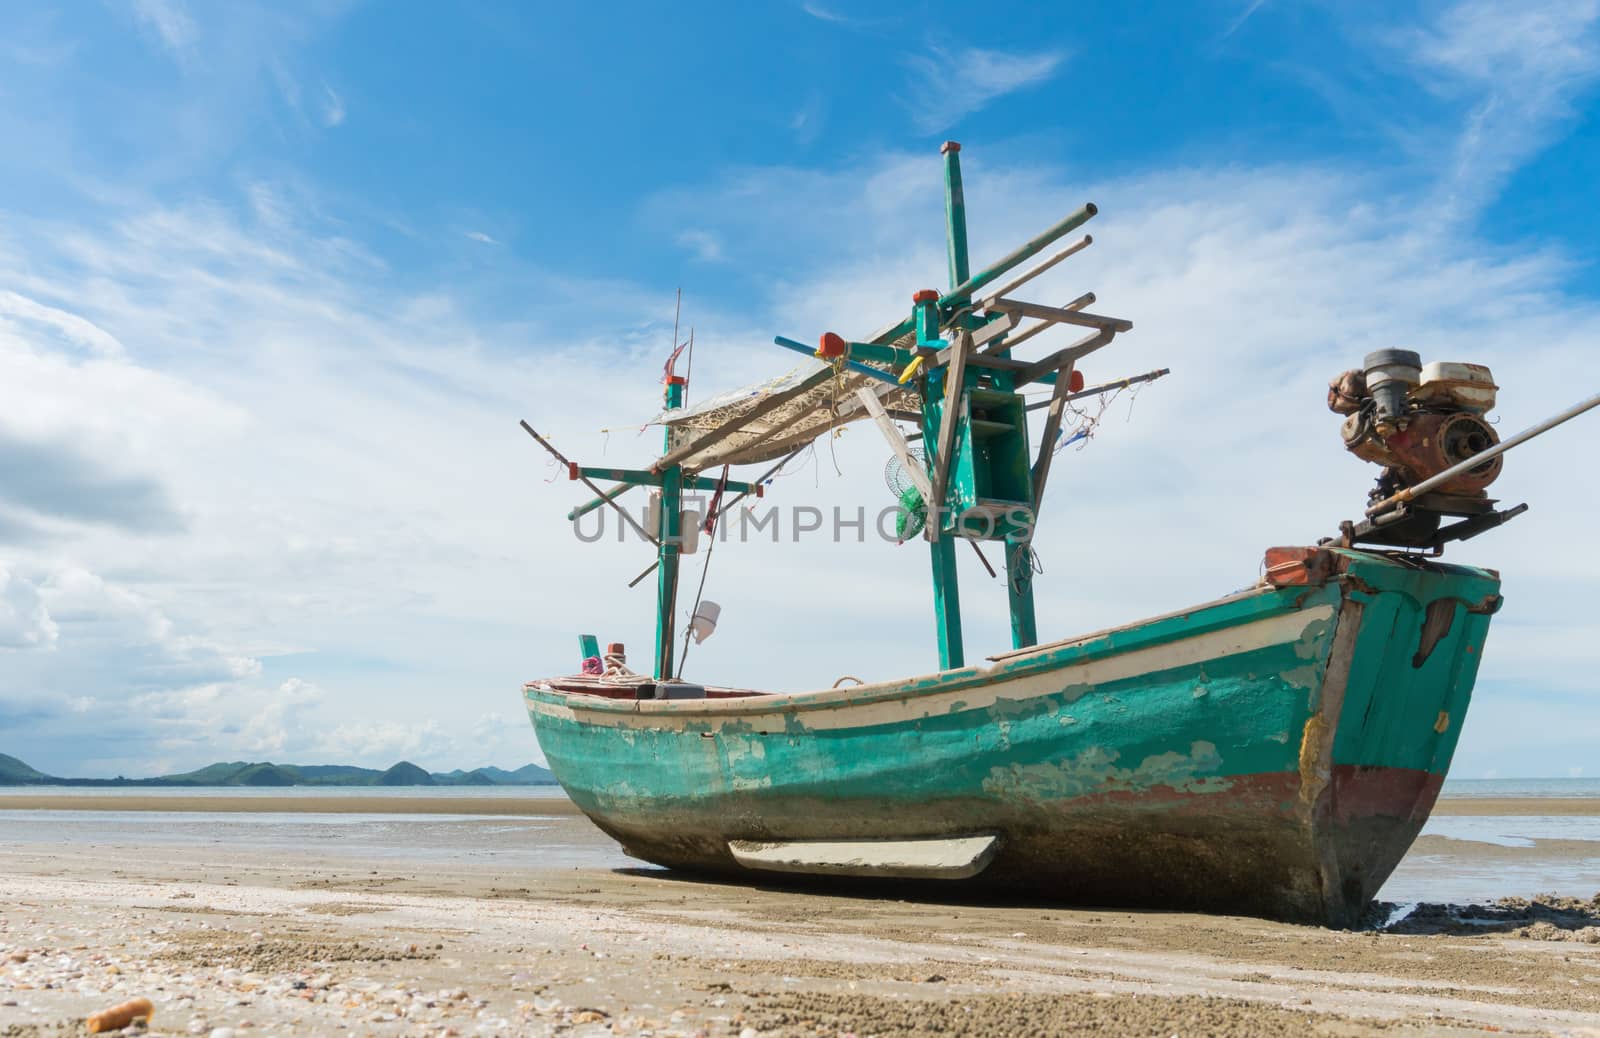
{"x": 1273, "y": 753}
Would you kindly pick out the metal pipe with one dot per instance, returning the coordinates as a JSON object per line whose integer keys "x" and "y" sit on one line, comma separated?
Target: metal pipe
{"x": 1011, "y": 286}
{"x": 1482, "y": 456}
{"x": 1035, "y": 245}
{"x": 853, "y": 365}
{"x": 955, "y": 212}
{"x": 962, "y": 292}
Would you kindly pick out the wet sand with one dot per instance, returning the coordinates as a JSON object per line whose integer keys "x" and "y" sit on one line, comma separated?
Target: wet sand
{"x": 270, "y": 940}
{"x": 544, "y": 805}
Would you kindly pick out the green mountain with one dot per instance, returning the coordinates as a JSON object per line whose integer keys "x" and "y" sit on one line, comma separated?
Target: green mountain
{"x": 14, "y": 772}
{"x": 406, "y": 774}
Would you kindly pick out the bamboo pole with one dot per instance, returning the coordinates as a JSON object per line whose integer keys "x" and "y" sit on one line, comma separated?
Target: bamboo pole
{"x": 1011, "y": 286}
{"x": 1106, "y": 387}
{"x": 610, "y": 495}
{"x": 897, "y": 443}
{"x": 586, "y": 481}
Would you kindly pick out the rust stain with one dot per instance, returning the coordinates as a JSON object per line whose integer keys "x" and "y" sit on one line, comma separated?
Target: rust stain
{"x": 1314, "y": 770}
{"x": 1442, "y": 725}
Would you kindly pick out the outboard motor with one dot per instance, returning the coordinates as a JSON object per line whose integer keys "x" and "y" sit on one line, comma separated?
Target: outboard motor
{"x": 1417, "y": 421}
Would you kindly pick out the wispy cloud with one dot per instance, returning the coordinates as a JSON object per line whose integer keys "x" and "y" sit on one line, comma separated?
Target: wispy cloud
{"x": 945, "y": 86}
{"x": 1518, "y": 68}
{"x": 706, "y": 246}
{"x": 333, "y": 108}
{"x": 482, "y": 237}
{"x": 170, "y": 22}
{"x": 1244, "y": 16}
{"x": 826, "y": 14}
{"x": 807, "y": 121}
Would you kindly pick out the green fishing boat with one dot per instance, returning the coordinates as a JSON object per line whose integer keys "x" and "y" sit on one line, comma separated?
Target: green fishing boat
{"x": 1274, "y": 752}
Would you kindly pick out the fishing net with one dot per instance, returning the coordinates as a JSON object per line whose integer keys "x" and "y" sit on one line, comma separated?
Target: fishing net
{"x": 791, "y": 424}
{"x": 913, "y": 513}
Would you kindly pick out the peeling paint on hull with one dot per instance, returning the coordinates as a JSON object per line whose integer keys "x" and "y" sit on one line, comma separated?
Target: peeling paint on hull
{"x": 1273, "y": 753}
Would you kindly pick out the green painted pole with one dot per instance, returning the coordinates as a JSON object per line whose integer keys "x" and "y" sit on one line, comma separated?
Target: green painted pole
{"x": 1019, "y": 593}
{"x": 947, "y": 602}
{"x": 955, "y": 213}
{"x": 946, "y": 585}
{"x": 671, "y": 532}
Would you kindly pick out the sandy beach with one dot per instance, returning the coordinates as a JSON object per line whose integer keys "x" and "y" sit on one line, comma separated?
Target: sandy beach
{"x": 233, "y": 937}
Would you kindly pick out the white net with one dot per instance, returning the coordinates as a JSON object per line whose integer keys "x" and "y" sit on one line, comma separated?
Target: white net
{"x": 791, "y": 424}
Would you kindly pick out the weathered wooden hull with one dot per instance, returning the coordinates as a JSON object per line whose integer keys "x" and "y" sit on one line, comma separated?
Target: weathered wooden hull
{"x": 1272, "y": 753}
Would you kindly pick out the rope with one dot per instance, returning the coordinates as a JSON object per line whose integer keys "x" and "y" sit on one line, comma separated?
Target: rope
{"x": 616, "y": 671}
{"x": 1024, "y": 567}
{"x": 688, "y": 628}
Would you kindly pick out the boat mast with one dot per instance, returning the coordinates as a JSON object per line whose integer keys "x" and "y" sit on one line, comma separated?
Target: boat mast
{"x": 669, "y": 536}
{"x": 946, "y": 586}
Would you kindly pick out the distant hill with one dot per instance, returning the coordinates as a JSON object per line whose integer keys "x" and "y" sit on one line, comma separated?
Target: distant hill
{"x": 14, "y": 772}
{"x": 406, "y": 774}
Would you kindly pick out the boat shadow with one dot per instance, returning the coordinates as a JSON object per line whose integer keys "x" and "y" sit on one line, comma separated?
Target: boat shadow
{"x": 1546, "y": 918}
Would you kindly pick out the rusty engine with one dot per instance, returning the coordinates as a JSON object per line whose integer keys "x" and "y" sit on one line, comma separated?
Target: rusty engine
{"x": 1417, "y": 421}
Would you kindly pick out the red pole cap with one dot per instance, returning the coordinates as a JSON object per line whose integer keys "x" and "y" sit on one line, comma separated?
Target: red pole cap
{"x": 1075, "y": 384}
{"x": 677, "y": 380}
{"x": 614, "y": 649}
{"x": 926, "y": 295}
{"x": 831, "y": 346}
{"x": 572, "y": 470}
{"x": 949, "y": 146}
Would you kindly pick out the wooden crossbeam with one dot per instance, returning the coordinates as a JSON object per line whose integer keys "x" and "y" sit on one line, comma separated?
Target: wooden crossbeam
{"x": 1062, "y": 357}
{"x": 1087, "y": 299}
{"x": 1061, "y": 315}
{"x": 1052, "y": 429}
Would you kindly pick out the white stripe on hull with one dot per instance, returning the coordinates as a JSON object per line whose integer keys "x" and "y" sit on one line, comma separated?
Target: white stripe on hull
{"x": 894, "y": 701}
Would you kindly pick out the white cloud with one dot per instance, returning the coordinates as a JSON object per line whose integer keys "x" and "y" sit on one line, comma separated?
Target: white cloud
{"x": 374, "y": 556}
{"x": 18, "y": 310}
{"x": 483, "y": 237}
{"x": 25, "y": 621}
{"x": 945, "y": 86}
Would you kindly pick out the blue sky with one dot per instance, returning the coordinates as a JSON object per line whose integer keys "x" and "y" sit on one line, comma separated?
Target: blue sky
{"x": 277, "y": 280}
